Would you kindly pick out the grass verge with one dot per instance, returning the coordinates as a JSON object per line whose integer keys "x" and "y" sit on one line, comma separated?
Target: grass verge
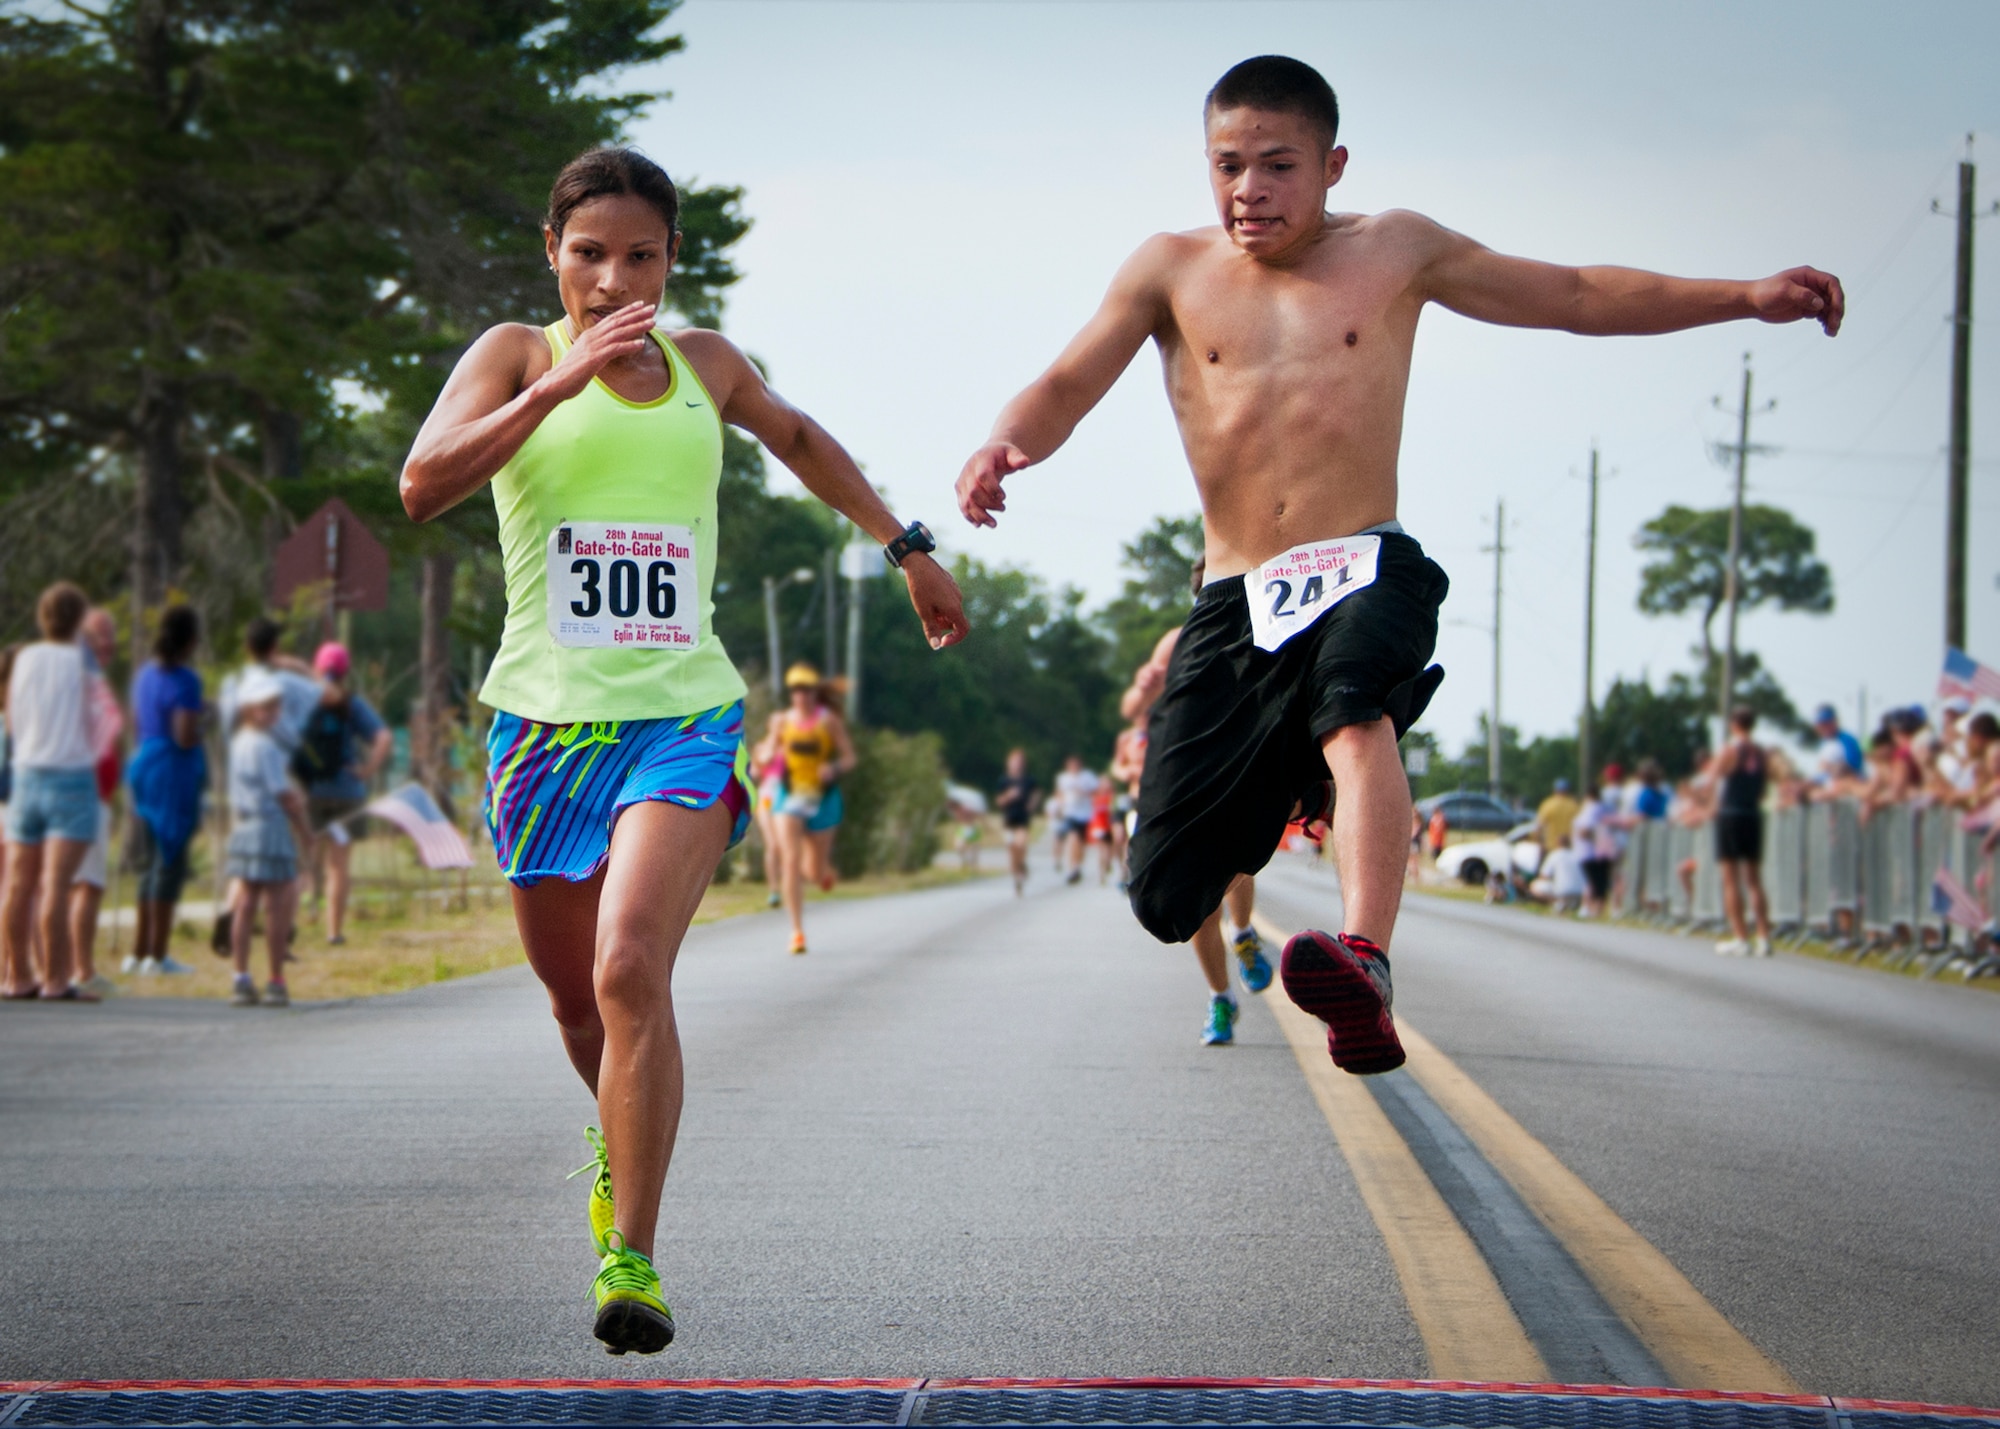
{"x": 398, "y": 943}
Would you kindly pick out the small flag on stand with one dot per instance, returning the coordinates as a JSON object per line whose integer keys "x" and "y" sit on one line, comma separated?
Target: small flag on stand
{"x": 1950, "y": 901}
{"x": 1965, "y": 678}
{"x": 411, "y": 809}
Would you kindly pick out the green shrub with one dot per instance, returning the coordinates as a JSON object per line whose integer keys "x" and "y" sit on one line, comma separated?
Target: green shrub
{"x": 894, "y": 801}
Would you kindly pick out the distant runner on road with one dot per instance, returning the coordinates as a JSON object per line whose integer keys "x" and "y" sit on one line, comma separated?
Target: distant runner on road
{"x": 1286, "y": 333}
{"x": 1017, "y": 811}
{"x": 1076, "y": 790}
{"x": 809, "y": 745}
{"x": 617, "y": 776}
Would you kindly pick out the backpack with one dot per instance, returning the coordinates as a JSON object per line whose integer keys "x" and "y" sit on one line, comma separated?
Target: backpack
{"x": 322, "y": 751}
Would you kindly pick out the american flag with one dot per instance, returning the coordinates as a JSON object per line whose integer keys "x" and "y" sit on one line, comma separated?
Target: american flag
{"x": 411, "y": 809}
{"x": 1966, "y": 678}
{"x": 1950, "y": 901}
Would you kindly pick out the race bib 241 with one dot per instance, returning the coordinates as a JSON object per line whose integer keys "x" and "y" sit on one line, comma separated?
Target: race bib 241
{"x": 623, "y": 583}
{"x": 1289, "y": 593}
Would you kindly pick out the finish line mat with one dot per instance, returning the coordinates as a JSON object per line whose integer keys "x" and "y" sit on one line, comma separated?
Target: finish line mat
{"x": 1366, "y": 1404}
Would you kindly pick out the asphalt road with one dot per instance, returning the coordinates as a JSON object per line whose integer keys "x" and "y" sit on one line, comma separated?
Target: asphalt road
{"x": 970, "y": 1135}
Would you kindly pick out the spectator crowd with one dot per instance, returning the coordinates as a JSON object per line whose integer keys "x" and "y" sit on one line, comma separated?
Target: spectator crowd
{"x": 1954, "y": 764}
{"x": 300, "y": 747}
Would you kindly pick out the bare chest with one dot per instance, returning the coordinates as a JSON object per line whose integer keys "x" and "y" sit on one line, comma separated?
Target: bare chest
{"x": 1317, "y": 325}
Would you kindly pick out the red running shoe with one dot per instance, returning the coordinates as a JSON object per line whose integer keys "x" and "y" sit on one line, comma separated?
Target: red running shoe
{"x": 1344, "y": 981}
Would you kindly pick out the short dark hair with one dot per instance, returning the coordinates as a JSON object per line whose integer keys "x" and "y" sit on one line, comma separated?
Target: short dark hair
{"x": 1743, "y": 718}
{"x": 60, "y": 611}
{"x": 179, "y": 632}
{"x": 599, "y": 173}
{"x": 1984, "y": 725}
{"x": 260, "y": 636}
{"x": 1281, "y": 84}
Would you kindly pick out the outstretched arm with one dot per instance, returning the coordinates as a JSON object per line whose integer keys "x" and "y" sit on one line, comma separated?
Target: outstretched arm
{"x": 745, "y": 400}
{"x": 1040, "y": 419}
{"x": 1602, "y": 302}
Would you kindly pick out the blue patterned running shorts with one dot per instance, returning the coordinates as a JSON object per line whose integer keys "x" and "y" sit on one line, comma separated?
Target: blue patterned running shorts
{"x": 554, "y": 791}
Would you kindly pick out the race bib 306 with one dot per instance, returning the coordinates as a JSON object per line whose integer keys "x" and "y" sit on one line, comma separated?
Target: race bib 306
{"x": 1289, "y": 593}
{"x": 623, "y": 583}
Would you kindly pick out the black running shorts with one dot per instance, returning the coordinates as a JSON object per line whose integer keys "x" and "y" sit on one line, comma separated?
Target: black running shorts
{"x": 1739, "y": 836}
{"x": 1235, "y": 736}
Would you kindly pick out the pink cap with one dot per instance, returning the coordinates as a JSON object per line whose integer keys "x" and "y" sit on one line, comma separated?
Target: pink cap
{"x": 331, "y": 660}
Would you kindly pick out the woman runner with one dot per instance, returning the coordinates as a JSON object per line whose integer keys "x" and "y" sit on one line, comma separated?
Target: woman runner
{"x": 616, "y": 773}
{"x": 809, "y": 739}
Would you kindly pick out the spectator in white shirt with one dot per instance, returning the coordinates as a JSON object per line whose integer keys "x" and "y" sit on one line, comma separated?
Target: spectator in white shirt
{"x": 52, "y": 815}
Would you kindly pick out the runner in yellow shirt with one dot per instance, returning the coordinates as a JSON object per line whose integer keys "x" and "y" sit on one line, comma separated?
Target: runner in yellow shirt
{"x": 617, "y": 776}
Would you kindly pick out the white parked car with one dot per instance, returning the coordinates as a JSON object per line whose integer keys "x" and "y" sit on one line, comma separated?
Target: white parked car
{"x": 1471, "y": 862}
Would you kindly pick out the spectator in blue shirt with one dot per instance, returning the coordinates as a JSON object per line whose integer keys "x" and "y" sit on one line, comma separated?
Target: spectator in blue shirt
{"x": 1839, "y": 755}
{"x": 167, "y": 773}
{"x": 342, "y": 748}
{"x": 1653, "y": 796}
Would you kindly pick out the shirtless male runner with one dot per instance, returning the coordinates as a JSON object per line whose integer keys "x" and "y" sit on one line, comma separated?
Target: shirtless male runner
{"x": 1285, "y": 333}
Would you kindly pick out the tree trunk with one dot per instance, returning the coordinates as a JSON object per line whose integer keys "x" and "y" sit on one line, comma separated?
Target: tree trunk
{"x": 431, "y": 722}
{"x": 156, "y": 543}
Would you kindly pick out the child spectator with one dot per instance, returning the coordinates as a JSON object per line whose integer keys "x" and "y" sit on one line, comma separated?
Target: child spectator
{"x": 1561, "y": 881}
{"x": 265, "y": 814}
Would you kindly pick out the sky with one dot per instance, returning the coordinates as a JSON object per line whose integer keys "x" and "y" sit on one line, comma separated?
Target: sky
{"x": 942, "y": 191}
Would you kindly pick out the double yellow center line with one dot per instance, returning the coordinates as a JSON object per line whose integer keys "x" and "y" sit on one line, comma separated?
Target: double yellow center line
{"x": 1470, "y": 1329}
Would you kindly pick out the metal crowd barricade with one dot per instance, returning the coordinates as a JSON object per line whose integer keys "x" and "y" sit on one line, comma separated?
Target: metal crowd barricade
{"x": 1784, "y": 870}
{"x": 1823, "y": 861}
{"x": 1658, "y": 887}
{"x": 1680, "y": 848}
{"x": 1832, "y": 866}
{"x": 1707, "y": 910}
{"x": 1633, "y": 866}
{"x": 1887, "y": 843}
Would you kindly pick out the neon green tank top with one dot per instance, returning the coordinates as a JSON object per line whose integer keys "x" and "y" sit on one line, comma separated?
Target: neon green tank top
{"x": 607, "y": 537}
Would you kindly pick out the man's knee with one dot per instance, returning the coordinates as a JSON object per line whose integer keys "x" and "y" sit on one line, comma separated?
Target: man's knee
{"x": 1172, "y": 904}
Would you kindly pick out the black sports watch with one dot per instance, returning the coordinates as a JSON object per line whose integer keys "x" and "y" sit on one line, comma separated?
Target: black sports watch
{"x": 916, "y": 537}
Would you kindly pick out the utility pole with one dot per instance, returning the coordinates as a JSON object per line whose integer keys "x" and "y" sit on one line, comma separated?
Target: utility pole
{"x": 830, "y": 574}
{"x": 1957, "y": 493}
{"x": 1585, "y": 760}
{"x": 856, "y": 558}
{"x": 772, "y": 656}
{"x": 1732, "y": 576}
{"x": 774, "y": 651}
{"x": 1499, "y": 550}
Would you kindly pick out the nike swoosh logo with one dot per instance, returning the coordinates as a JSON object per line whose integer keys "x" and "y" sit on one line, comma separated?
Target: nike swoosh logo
{"x": 694, "y": 404}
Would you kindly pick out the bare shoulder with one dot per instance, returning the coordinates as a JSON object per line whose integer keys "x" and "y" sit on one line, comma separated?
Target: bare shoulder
{"x": 705, "y": 342}
{"x": 1404, "y": 229}
{"x": 719, "y": 363}
{"x": 1156, "y": 263}
{"x": 520, "y": 349}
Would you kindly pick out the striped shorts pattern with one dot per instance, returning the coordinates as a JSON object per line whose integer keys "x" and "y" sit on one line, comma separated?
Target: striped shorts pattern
{"x": 553, "y": 791}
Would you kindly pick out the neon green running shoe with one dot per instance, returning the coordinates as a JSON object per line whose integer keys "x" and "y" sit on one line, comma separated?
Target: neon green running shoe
{"x": 632, "y": 1313}
{"x": 602, "y": 1213}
